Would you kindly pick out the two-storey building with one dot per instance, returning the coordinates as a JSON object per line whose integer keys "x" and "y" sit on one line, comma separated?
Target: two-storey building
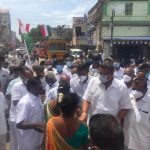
{"x": 126, "y": 29}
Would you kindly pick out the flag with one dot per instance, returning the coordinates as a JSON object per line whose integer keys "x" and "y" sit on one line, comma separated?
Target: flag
{"x": 25, "y": 36}
{"x": 44, "y": 30}
{"x": 27, "y": 27}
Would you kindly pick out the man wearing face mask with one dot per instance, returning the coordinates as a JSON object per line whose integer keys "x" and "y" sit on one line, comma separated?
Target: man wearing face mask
{"x": 18, "y": 91}
{"x": 79, "y": 83}
{"x": 119, "y": 71}
{"x": 67, "y": 68}
{"x": 49, "y": 66}
{"x": 52, "y": 84}
{"x": 128, "y": 77}
{"x": 59, "y": 68}
{"x": 137, "y": 121}
{"x": 106, "y": 95}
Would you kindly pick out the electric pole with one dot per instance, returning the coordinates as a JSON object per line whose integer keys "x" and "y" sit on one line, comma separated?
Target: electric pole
{"x": 112, "y": 30}
{"x": 100, "y": 17}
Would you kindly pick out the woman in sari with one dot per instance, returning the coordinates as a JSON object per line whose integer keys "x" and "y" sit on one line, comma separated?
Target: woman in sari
{"x": 66, "y": 132}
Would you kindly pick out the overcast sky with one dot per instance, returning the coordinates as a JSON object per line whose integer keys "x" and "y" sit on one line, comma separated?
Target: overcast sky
{"x": 49, "y": 12}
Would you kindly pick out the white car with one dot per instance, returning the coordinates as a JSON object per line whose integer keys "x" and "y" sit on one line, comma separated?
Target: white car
{"x": 75, "y": 53}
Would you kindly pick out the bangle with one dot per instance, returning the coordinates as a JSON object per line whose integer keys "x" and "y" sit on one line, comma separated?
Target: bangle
{"x": 84, "y": 113}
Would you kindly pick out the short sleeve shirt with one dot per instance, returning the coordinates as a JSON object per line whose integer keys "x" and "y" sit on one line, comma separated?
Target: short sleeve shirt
{"x": 30, "y": 110}
{"x": 79, "y": 87}
{"x": 137, "y": 124}
{"x": 109, "y": 101}
{"x": 17, "y": 92}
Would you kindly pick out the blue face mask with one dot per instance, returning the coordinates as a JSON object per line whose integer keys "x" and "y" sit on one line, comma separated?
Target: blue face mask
{"x": 116, "y": 65}
{"x": 69, "y": 64}
{"x": 59, "y": 68}
{"x": 103, "y": 78}
{"x": 147, "y": 74}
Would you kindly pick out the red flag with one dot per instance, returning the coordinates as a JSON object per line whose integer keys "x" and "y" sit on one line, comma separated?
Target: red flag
{"x": 27, "y": 27}
{"x": 44, "y": 30}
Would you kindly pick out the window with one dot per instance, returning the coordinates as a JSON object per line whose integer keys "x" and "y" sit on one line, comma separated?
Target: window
{"x": 62, "y": 46}
{"x": 57, "y": 47}
{"x": 53, "y": 46}
{"x": 128, "y": 9}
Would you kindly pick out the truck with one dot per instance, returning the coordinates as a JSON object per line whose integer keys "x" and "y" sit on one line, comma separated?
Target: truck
{"x": 50, "y": 47}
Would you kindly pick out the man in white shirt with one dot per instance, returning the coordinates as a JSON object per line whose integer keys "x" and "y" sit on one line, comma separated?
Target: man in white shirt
{"x": 17, "y": 92}
{"x": 106, "y": 95}
{"x": 79, "y": 83}
{"x": 49, "y": 67}
{"x": 129, "y": 74}
{"x": 52, "y": 84}
{"x": 67, "y": 68}
{"x": 30, "y": 117}
{"x": 119, "y": 71}
{"x": 137, "y": 121}
{"x": 4, "y": 74}
{"x": 59, "y": 68}
{"x": 3, "y": 127}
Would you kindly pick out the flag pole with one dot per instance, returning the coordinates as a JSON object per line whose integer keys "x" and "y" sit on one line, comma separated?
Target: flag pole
{"x": 30, "y": 64}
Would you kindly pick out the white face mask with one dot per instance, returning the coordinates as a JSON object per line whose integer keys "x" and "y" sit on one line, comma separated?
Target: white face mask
{"x": 127, "y": 78}
{"x": 103, "y": 78}
{"x": 82, "y": 78}
{"x": 49, "y": 66}
{"x": 137, "y": 94}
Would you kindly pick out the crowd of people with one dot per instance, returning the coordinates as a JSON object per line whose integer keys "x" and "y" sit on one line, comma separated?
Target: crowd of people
{"x": 75, "y": 104}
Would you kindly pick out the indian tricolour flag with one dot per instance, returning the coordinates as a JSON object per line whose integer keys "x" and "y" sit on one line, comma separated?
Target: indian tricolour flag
{"x": 44, "y": 30}
{"x": 25, "y": 36}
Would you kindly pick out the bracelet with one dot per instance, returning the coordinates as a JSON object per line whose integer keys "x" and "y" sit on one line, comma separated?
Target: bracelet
{"x": 84, "y": 113}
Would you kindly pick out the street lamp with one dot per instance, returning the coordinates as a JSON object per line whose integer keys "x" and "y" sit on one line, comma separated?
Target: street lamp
{"x": 112, "y": 30}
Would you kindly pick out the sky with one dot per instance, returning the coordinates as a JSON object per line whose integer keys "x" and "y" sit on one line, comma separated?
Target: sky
{"x": 48, "y": 12}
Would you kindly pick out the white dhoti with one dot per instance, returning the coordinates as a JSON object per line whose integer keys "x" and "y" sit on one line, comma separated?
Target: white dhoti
{"x": 13, "y": 135}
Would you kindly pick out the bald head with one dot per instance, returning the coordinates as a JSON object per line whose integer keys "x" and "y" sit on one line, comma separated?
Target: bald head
{"x": 64, "y": 78}
{"x": 129, "y": 71}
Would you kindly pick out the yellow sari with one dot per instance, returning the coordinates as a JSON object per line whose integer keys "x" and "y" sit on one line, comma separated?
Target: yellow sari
{"x": 54, "y": 141}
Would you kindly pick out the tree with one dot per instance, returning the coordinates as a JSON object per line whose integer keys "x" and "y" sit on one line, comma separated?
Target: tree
{"x": 60, "y": 30}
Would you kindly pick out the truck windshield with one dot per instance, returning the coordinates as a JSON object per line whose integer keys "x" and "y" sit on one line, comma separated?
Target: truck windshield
{"x": 57, "y": 46}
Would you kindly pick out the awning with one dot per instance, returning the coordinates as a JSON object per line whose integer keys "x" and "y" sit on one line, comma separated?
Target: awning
{"x": 129, "y": 40}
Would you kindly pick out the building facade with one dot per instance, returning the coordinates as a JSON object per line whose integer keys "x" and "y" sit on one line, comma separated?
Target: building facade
{"x": 5, "y": 25}
{"x": 126, "y": 29}
{"x": 80, "y": 38}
